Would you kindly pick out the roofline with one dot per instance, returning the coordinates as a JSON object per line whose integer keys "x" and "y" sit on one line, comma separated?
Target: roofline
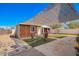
{"x": 29, "y": 24}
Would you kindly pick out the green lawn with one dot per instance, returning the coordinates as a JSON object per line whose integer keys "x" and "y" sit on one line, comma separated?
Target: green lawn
{"x": 36, "y": 41}
{"x": 61, "y": 35}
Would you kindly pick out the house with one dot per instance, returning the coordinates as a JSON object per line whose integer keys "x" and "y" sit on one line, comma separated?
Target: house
{"x": 53, "y": 14}
{"x": 24, "y": 31}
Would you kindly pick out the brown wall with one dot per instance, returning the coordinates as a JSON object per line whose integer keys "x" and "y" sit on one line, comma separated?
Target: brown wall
{"x": 25, "y": 31}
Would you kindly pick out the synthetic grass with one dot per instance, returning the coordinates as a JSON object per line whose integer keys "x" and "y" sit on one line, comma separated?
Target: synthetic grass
{"x": 36, "y": 41}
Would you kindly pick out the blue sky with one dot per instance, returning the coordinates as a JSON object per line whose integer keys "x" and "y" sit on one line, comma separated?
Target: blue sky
{"x": 12, "y": 14}
{"x": 76, "y": 7}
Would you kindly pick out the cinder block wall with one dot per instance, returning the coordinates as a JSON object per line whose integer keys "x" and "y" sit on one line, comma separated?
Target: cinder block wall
{"x": 66, "y": 31}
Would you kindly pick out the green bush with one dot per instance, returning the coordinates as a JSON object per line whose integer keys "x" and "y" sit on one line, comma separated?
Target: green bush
{"x": 73, "y": 25}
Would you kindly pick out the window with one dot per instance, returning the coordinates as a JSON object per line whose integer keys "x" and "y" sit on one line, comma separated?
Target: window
{"x": 32, "y": 29}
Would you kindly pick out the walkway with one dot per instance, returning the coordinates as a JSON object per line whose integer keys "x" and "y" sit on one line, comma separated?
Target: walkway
{"x": 21, "y": 43}
{"x": 21, "y": 47}
{"x": 30, "y": 52}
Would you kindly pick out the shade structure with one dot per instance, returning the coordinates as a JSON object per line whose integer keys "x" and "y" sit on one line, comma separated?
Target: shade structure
{"x": 55, "y": 13}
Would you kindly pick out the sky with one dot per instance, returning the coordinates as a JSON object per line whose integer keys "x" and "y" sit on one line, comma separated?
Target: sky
{"x": 76, "y": 7}
{"x": 12, "y": 14}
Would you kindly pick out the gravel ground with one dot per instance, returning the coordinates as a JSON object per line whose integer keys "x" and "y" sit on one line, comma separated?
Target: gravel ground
{"x": 5, "y": 43}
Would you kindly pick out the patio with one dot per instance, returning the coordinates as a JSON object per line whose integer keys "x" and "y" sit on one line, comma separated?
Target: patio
{"x": 61, "y": 47}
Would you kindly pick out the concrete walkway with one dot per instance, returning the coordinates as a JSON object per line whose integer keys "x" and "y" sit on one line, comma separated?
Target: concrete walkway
{"x": 30, "y": 52}
{"x": 60, "y": 47}
{"x": 21, "y": 47}
{"x": 21, "y": 43}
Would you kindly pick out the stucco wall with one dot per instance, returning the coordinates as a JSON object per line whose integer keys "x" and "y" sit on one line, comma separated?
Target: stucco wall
{"x": 67, "y": 31}
{"x": 23, "y": 31}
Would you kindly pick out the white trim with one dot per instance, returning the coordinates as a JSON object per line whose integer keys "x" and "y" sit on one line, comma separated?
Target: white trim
{"x": 31, "y": 27}
{"x": 18, "y": 31}
{"x": 39, "y": 30}
{"x": 44, "y": 26}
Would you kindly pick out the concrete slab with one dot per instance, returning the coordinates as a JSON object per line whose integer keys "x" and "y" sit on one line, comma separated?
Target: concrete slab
{"x": 30, "y": 52}
{"x": 60, "y": 47}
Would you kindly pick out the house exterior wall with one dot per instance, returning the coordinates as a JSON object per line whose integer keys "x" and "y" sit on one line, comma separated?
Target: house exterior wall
{"x": 17, "y": 31}
{"x": 39, "y": 31}
{"x": 24, "y": 31}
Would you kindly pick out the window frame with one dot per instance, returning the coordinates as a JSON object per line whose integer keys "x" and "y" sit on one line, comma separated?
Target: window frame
{"x": 32, "y": 29}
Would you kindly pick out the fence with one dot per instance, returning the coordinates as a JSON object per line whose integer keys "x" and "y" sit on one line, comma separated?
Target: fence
{"x": 66, "y": 31}
{"x": 5, "y": 32}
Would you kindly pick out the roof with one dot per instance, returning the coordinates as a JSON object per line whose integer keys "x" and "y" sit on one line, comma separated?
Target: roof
{"x": 54, "y": 14}
{"x": 44, "y": 26}
{"x": 30, "y": 24}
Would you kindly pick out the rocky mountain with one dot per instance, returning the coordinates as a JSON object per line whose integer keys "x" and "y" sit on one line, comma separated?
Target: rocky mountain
{"x": 54, "y": 14}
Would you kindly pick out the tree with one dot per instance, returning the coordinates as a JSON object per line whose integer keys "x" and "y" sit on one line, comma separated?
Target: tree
{"x": 55, "y": 26}
{"x": 73, "y": 25}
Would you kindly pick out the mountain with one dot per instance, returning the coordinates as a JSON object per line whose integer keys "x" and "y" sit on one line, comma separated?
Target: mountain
{"x": 54, "y": 14}
{"x": 6, "y": 27}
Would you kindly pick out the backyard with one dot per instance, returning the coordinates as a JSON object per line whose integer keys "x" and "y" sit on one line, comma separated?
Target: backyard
{"x": 51, "y": 37}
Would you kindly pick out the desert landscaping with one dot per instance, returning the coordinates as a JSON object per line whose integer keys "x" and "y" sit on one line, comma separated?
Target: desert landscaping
{"x": 5, "y": 43}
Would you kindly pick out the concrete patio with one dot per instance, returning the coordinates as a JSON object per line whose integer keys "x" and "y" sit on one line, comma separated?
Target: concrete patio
{"x": 60, "y": 47}
{"x": 30, "y": 52}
